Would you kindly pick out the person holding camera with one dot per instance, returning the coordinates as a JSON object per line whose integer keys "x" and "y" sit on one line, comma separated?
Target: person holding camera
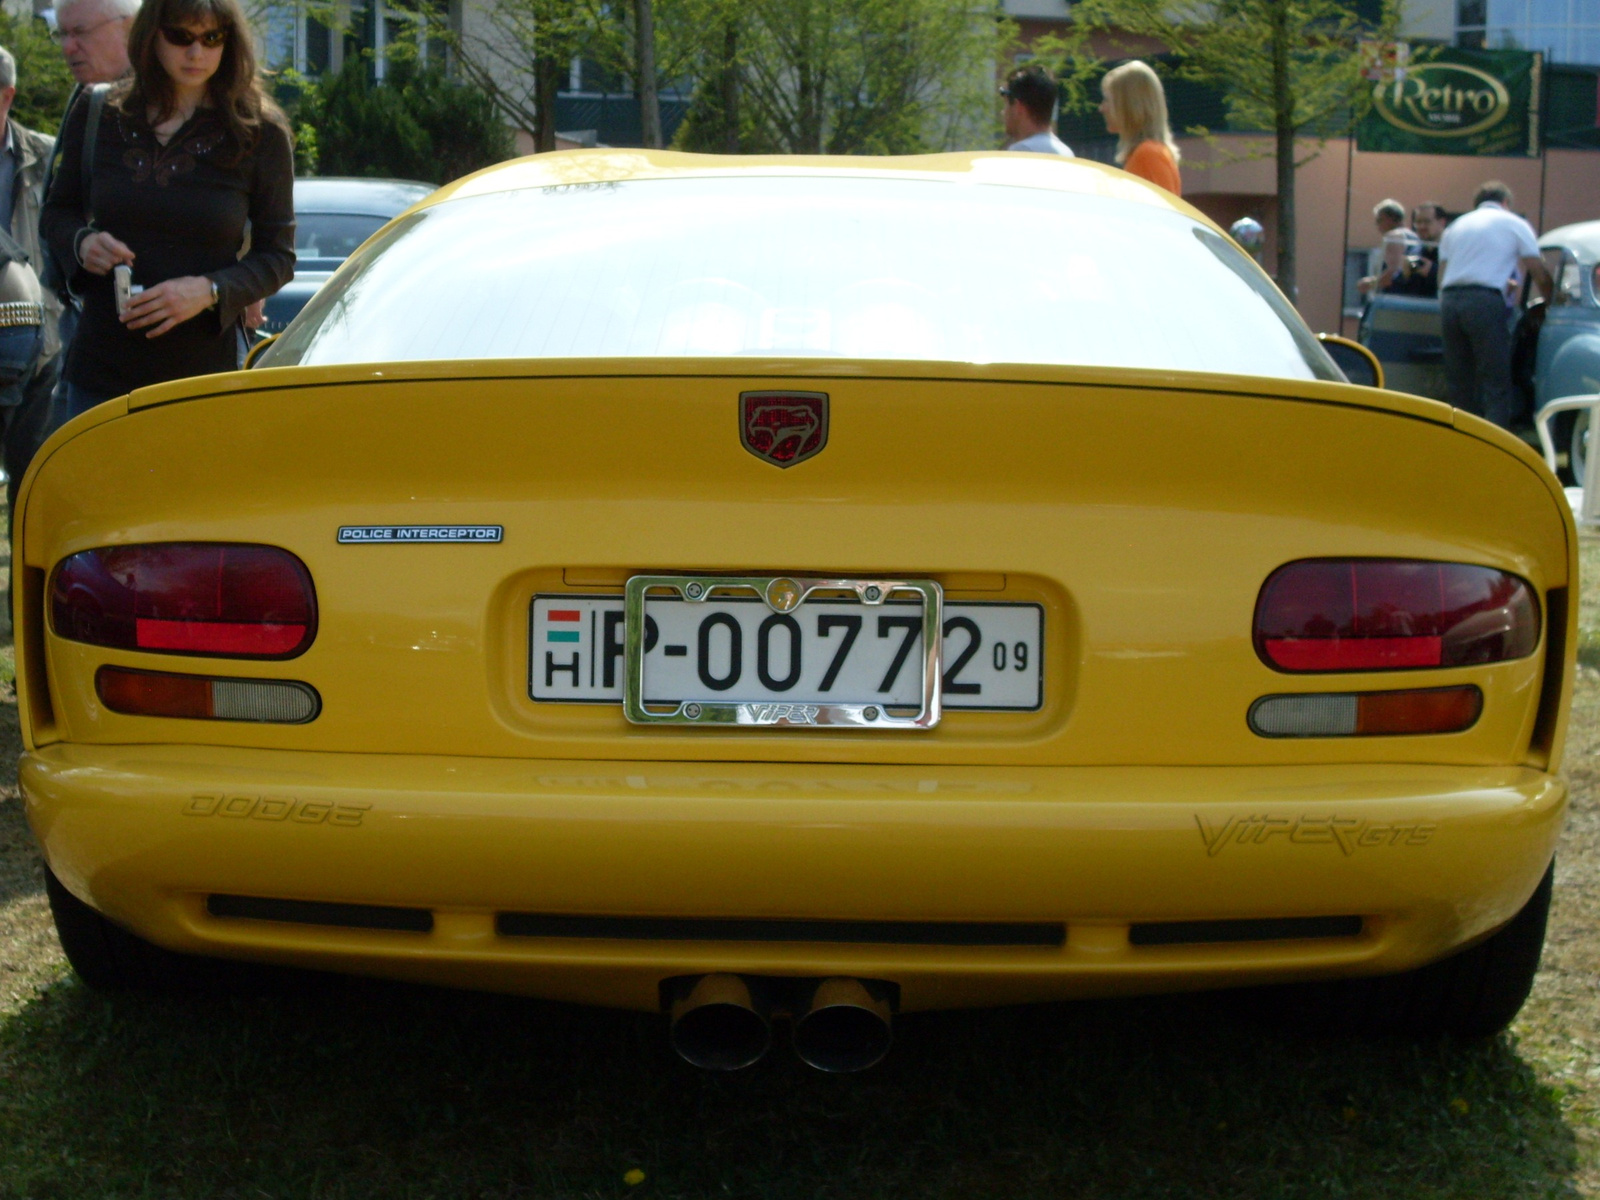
{"x": 1419, "y": 276}
{"x": 187, "y": 151}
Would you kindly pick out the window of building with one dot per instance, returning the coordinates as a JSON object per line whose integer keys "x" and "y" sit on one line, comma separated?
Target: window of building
{"x": 1567, "y": 31}
{"x": 295, "y": 39}
{"x": 397, "y": 23}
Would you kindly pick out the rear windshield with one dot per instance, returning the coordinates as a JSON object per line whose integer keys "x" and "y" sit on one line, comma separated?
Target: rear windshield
{"x": 836, "y": 267}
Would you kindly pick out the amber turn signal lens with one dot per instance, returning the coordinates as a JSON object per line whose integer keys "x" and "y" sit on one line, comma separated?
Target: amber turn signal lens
{"x": 1367, "y": 714}
{"x": 159, "y": 694}
{"x": 1429, "y": 710}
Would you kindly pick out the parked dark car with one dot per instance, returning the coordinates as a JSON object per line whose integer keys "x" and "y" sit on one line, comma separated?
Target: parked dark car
{"x": 1561, "y": 336}
{"x": 332, "y": 218}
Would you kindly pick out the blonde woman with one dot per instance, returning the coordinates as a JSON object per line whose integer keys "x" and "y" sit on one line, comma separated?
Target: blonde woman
{"x": 1135, "y": 109}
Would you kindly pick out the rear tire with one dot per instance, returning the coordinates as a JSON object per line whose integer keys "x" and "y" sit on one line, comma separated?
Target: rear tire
{"x": 110, "y": 959}
{"x": 1470, "y": 995}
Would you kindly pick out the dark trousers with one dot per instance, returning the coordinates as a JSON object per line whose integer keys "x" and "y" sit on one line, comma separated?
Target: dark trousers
{"x": 1477, "y": 352}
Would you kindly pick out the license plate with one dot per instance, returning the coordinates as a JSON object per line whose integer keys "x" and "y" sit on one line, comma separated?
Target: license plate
{"x": 729, "y": 649}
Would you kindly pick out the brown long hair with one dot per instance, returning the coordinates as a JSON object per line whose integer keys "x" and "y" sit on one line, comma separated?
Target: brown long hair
{"x": 234, "y": 91}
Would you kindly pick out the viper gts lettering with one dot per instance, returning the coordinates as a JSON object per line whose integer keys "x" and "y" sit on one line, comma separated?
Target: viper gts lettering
{"x": 1347, "y": 833}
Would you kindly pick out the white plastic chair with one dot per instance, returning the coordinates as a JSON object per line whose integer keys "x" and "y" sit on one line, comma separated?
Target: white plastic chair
{"x": 1585, "y": 499}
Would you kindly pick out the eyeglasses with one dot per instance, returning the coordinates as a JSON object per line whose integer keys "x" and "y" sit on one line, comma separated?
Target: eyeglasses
{"x": 175, "y": 35}
{"x": 60, "y": 36}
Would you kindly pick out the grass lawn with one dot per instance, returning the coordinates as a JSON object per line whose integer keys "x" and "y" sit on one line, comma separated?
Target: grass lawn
{"x": 347, "y": 1088}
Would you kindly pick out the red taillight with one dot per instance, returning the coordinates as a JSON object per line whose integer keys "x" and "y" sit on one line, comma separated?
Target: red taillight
{"x": 186, "y": 598}
{"x": 1376, "y": 614}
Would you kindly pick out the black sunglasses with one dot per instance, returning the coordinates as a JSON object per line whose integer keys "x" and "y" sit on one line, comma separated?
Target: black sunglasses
{"x": 175, "y": 35}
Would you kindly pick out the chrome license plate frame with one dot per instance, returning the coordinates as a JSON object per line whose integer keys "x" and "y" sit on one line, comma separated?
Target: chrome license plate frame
{"x": 783, "y": 594}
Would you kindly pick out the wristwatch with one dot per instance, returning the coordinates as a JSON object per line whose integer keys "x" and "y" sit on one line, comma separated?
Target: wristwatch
{"x": 214, "y": 297}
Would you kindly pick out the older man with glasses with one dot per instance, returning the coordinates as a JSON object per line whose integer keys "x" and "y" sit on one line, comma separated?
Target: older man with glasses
{"x": 93, "y": 36}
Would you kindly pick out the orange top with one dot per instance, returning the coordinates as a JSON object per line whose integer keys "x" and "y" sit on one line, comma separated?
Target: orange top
{"x": 1153, "y": 161}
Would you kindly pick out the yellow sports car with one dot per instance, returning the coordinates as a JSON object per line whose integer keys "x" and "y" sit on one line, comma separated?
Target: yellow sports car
{"x": 813, "y": 588}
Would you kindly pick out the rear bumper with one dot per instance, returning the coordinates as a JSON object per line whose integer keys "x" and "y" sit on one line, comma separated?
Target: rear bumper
{"x": 1428, "y": 857}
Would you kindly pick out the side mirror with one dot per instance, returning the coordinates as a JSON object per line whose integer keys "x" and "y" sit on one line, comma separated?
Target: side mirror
{"x": 261, "y": 344}
{"x": 1360, "y": 365}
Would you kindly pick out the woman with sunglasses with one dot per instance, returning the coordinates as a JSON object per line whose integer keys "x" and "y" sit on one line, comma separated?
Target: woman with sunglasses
{"x": 189, "y": 156}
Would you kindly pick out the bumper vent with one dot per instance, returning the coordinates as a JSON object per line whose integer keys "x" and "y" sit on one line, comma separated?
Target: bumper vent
{"x": 317, "y": 912}
{"x": 718, "y": 929}
{"x": 1265, "y": 929}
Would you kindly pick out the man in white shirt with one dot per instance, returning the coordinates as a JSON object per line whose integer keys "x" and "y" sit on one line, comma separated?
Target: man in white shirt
{"x": 1030, "y": 94}
{"x": 1480, "y": 256}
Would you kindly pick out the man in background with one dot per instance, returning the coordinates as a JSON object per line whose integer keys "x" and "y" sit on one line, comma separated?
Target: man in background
{"x": 93, "y": 36}
{"x": 1419, "y": 276}
{"x": 24, "y": 158}
{"x": 1481, "y": 253}
{"x": 28, "y": 313}
{"x": 1386, "y": 263}
{"x": 1030, "y": 94}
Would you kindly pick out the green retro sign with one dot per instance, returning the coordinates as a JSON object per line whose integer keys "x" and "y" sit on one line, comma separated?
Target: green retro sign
{"x": 1483, "y": 102}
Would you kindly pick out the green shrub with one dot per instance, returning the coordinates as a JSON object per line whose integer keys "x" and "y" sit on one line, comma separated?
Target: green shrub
{"x": 419, "y": 124}
{"x": 43, "y": 81}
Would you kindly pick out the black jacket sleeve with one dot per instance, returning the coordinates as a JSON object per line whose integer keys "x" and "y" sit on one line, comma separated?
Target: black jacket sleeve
{"x": 62, "y": 218}
{"x": 269, "y": 264}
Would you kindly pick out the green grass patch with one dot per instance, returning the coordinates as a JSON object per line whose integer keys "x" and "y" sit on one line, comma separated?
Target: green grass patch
{"x": 347, "y": 1089}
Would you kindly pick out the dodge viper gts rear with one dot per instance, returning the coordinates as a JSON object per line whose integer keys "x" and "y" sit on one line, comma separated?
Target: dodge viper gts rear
{"x": 808, "y": 586}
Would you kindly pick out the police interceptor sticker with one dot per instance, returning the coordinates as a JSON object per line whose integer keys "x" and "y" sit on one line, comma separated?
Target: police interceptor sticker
{"x": 359, "y": 534}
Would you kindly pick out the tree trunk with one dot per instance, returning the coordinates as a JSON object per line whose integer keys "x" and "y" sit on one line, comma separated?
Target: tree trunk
{"x": 644, "y": 28}
{"x": 730, "y": 87}
{"x": 547, "y": 80}
{"x": 808, "y": 99}
{"x": 1283, "y": 109}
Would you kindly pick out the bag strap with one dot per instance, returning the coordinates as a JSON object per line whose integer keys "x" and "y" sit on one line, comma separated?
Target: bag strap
{"x": 91, "y": 139}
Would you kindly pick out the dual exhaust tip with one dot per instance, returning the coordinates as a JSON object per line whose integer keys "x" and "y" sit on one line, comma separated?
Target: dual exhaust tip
{"x": 724, "y": 1022}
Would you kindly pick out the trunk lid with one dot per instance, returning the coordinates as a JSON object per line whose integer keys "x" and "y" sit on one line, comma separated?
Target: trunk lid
{"x": 1141, "y": 513}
